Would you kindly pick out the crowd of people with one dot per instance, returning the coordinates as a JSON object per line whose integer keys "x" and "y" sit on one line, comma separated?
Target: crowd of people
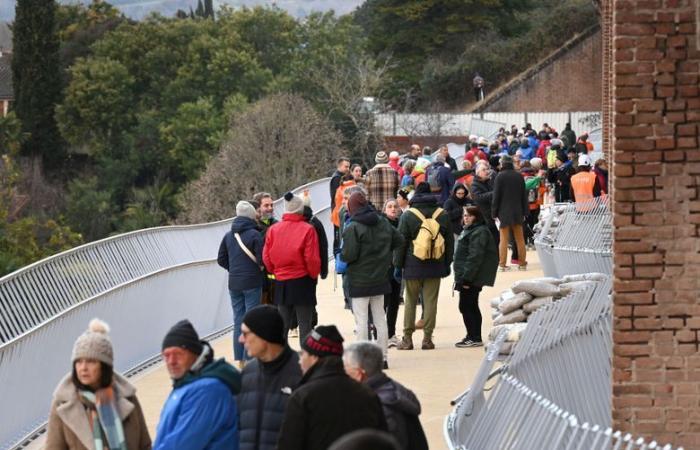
{"x": 399, "y": 229}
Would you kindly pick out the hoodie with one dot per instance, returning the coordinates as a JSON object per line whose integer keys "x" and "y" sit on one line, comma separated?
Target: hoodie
{"x": 243, "y": 273}
{"x": 455, "y": 206}
{"x": 368, "y": 243}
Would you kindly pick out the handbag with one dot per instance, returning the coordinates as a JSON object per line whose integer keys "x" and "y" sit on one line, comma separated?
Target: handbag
{"x": 246, "y": 250}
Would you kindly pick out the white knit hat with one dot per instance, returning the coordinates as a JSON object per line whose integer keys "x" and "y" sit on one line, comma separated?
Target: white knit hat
{"x": 94, "y": 344}
{"x": 293, "y": 204}
{"x": 245, "y": 209}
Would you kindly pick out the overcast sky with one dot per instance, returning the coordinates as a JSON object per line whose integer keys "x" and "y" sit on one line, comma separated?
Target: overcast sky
{"x": 139, "y": 8}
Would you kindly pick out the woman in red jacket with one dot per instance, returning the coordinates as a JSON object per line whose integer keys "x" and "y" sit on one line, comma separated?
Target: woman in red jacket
{"x": 291, "y": 253}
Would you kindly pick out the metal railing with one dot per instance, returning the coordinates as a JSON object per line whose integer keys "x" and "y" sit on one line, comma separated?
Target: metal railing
{"x": 140, "y": 282}
{"x": 576, "y": 238}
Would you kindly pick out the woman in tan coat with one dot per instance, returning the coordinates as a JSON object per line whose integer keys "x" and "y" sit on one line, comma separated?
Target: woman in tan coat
{"x": 95, "y": 408}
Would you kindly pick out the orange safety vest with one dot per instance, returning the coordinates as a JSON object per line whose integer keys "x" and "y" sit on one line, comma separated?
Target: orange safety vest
{"x": 582, "y": 183}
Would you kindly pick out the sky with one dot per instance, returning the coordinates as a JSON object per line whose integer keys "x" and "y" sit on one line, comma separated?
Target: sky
{"x": 137, "y": 9}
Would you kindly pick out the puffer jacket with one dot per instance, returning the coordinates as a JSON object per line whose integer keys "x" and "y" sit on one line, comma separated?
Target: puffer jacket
{"x": 401, "y": 410}
{"x": 409, "y": 225}
{"x": 368, "y": 243}
{"x": 265, "y": 389}
{"x": 476, "y": 257}
{"x": 69, "y": 427}
{"x": 243, "y": 273}
{"x": 291, "y": 249}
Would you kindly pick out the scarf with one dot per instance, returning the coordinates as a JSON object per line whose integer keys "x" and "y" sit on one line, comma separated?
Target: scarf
{"x": 104, "y": 419}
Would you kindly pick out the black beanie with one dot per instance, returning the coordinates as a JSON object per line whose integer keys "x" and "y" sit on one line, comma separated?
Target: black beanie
{"x": 266, "y": 322}
{"x": 324, "y": 340}
{"x": 183, "y": 335}
{"x": 423, "y": 188}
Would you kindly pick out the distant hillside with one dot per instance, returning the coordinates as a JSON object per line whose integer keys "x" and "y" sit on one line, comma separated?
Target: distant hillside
{"x": 137, "y": 9}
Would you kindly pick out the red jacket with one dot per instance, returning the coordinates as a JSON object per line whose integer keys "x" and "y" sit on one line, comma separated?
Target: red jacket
{"x": 469, "y": 156}
{"x": 291, "y": 249}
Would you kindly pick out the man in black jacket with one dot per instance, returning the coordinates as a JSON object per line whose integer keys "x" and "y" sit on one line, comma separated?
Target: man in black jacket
{"x": 482, "y": 195}
{"x": 328, "y": 404}
{"x": 267, "y": 380}
{"x": 510, "y": 207}
{"x": 363, "y": 363}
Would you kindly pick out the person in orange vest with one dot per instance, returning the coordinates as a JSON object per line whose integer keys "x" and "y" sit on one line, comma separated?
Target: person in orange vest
{"x": 584, "y": 185}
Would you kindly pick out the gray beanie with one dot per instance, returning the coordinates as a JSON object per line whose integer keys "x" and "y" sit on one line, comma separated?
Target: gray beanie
{"x": 94, "y": 344}
{"x": 293, "y": 204}
{"x": 381, "y": 158}
{"x": 245, "y": 209}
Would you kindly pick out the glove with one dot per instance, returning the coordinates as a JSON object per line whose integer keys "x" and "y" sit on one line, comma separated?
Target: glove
{"x": 398, "y": 275}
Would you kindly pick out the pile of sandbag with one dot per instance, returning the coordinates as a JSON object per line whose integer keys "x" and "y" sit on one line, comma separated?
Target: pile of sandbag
{"x": 512, "y": 307}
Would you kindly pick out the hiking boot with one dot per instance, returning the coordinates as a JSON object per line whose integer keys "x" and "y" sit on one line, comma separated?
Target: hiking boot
{"x": 420, "y": 324}
{"x": 469, "y": 343}
{"x": 405, "y": 344}
{"x": 427, "y": 344}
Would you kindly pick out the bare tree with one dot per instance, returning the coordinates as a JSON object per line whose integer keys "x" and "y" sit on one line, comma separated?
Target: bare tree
{"x": 279, "y": 143}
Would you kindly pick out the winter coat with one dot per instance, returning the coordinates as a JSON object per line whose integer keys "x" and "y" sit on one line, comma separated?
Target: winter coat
{"x": 445, "y": 179}
{"x": 476, "y": 257}
{"x": 328, "y": 404}
{"x": 482, "y": 195}
{"x": 265, "y": 390}
{"x": 474, "y": 153}
{"x": 201, "y": 412}
{"x": 455, "y": 208}
{"x": 527, "y": 152}
{"x": 368, "y": 243}
{"x": 570, "y": 136}
{"x": 409, "y": 225}
{"x": 561, "y": 179}
{"x": 69, "y": 427}
{"x": 450, "y": 161}
{"x": 291, "y": 249}
{"x": 243, "y": 273}
{"x": 335, "y": 211}
{"x": 322, "y": 240}
{"x": 335, "y": 182}
{"x": 401, "y": 409}
{"x": 509, "y": 197}
{"x": 381, "y": 182}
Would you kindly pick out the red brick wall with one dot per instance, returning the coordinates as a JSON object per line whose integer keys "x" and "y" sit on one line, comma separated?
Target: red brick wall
{"x": 656, "y": 377}
{"x": 571, "y": 82}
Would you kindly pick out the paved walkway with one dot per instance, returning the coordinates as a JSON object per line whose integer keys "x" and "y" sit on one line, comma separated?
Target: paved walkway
{"x": 435, "y": 376}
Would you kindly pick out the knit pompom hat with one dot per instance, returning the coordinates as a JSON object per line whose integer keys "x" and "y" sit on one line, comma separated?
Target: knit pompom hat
{"x": 94, "y": 343}
{"x": 293, "y": 204}
{"x": 381, "y": 158}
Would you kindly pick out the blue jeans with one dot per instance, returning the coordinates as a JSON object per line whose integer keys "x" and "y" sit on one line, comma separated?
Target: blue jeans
{"x": 242, "y": 302}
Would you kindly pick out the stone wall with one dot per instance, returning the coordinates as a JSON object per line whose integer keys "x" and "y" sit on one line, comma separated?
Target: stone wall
{"x": 656, "y": 170}
{"x": 568, "y": 80}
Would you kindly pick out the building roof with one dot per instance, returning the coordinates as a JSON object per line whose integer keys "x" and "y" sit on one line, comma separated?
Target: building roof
{"x": 6, "y": 91}
{"x": 5, "y": 38}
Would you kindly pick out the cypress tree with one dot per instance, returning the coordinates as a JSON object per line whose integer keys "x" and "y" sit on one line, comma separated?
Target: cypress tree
{"x": 36, "y": 77}
{"x": 209, "y": 9}
{"x": 200, "y": 9}
{"x": 191, "y": 13}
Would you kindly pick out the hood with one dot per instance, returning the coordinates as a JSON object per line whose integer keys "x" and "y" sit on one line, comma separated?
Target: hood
{"x": 423, "y": 199}
{"x": 366, "y": 216}
{"x": 460, "y": 201}
{"x": 218, "y": 369}
{"x": 241, "y": 224}
{"x": 394, "y": 395}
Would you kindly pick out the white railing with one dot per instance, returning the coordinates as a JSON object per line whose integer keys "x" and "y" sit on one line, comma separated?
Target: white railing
{"x": 140, "y": 282}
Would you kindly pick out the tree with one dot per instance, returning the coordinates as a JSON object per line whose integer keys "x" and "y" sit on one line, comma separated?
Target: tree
{"x": 200, "y": 9}
{"x": 36, "y": 77}
{"x": 209, "y": 9}
{"x": 279, "y": 143}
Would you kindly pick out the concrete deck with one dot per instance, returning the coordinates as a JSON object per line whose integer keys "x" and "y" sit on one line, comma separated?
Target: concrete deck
{"x": 435, "y": 376}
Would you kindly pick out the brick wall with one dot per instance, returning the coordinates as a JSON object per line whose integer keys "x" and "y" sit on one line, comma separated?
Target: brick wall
{"x": 570, "y": 80}
{"x": 656, "y": 376}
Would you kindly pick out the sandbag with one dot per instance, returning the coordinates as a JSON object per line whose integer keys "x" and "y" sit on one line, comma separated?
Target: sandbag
{"x": 584, "y": 277}
{"x": 494, "y": 302}
{"x": 537, "y": 303}
{"x": 550, "y": 280}
{"x": 515, "y": 331}
{"x": 495, "y": 314}
{"x": 516, "y": 316}
{"x": 573, "y": 286}
{"x": 506, "y": 348}
{"x": 535, "y": 288}
{"x": 515, "y": 302}
{"x": 505, "y": 295}
{"x": 495, "y": 330}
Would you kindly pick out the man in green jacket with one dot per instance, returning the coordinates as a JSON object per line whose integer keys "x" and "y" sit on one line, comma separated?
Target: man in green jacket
{"x": 422, "y": 275}
{"x": 368, "y": 242}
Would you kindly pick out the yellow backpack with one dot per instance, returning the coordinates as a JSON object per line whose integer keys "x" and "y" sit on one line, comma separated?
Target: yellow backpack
{"x": 429, "y": 243}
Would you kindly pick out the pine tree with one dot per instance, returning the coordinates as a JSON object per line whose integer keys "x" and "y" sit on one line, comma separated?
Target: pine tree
{"x": 36, "y": 78}
{"x": 191, "y": 13}
{"x": 200, "y": 9}
{"x": 209, "y": 9}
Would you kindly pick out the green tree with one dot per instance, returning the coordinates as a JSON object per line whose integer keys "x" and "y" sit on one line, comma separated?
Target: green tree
{"x": 36, "y": 77}
{"x": 209, "y": 9}
{"x": 200, "y": 9}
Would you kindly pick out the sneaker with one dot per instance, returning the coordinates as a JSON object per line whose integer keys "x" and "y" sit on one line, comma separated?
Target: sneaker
{"x": 393, "y": 341}
{"x": 461, "y": 343}
{"x": 427, "y": 344}
{"x": 420, "y": 324}
{"x": 503, "y": 268}
{"x": 470, "y": 343}
{"x": 522, "y": 266}
{"x": 294, "y": 332}
{"x": 386, "y": 364}
{"x": 405, "y": 344}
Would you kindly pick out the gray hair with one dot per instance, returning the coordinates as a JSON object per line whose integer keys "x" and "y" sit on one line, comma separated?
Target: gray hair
{"x": 365, "y": 355}
{"x": 352, "y": 189}
{"x": 409, "y": 165}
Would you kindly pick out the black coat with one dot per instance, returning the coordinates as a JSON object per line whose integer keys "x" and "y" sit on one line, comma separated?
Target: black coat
{"x": 327, "y": 405}
{"x": 243, "y": 273}
{"x": 335, "y": 183}
{"x": 265, "y": 390}
{"x": 509, "y": 203}
{"x": 409, "y": 225}
{"x": 401, "y": 409}
{"x": 455, "y": 208}
{"x": 482, "y": 194}
{"x": 322, "y": 240}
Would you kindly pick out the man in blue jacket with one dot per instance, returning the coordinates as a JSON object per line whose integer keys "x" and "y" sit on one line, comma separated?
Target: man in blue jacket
{"x": 200, "y": 412}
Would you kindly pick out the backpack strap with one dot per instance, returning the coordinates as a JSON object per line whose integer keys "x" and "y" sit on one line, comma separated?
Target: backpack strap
{"x": 417, "y": 214}
{"x": 244, "y": 248}
{"x": 437, "y": 213}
